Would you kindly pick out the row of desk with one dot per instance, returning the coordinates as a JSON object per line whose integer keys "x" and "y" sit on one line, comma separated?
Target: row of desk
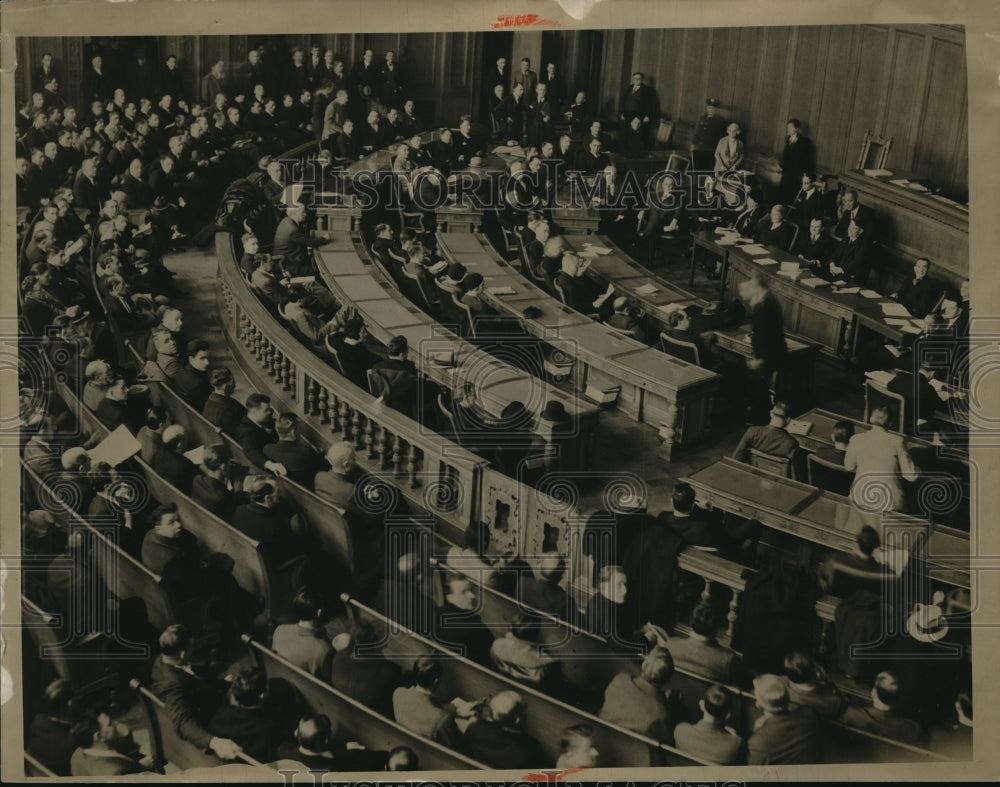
{"x": 822, "y": 315}
{"x": 827, "y": 521}
{"x": 387, "y": 313}
{"x": 656, "y": 388}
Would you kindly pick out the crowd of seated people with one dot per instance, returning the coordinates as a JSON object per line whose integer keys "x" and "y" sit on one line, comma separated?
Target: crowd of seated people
{"x": 184, "y": 152}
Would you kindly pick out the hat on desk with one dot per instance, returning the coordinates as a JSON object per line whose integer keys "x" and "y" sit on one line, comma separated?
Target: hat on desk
{"x": 555, "y": 411}
{"x": 712, "y": 102}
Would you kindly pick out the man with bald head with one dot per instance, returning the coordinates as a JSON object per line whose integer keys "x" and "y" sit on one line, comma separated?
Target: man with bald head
{"x": 497, "y": 738}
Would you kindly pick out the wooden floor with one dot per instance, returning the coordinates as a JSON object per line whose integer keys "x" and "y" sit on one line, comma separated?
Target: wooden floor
{"x": 623, "y": 446}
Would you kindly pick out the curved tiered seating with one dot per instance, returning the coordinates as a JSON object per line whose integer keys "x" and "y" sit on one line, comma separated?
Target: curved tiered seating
{"x": 545, "y": 717}
{"x": 353, "y": 719}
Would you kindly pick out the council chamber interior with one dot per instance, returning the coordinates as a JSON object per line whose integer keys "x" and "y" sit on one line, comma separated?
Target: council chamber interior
{"x": 495, "y": 400}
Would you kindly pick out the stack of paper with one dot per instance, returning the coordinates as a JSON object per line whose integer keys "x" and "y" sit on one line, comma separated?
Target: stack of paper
{"x": 755, "y": 250}
{"x": 765, "y": 261}
{"x": 870, "y": 294}
{"x": 900, "y": 182}
{"x": 912, "y": 327}
{"x": 896, "y": 321}
{"x": 814, "y": 282}
{"x": 501, "y": 290}
{"x": 880, "y": 377}
{"x": 789, "y": 267}
{"x": 726, "y": 242}
{"x": 917, "y": 187}
{"x": 894, "y": 309}
{"x": 894, "y": 350}
{"x": 798, "y": 427}
{"x": 647, "y": 289}
{"x": 848, "y": 290}
{"x": 597, "y": 249}
{"x": 877, "y": 173}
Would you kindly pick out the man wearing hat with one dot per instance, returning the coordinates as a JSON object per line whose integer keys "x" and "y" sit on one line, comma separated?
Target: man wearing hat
{"x": 710, "y": 129}
{"x": 782, "y": 735}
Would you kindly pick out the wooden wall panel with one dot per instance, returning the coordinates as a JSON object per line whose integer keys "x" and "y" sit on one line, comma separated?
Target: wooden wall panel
{"x": 766, "y": 114}
{"x": 721, "y": 74}
{"x": 803, "y": 103}
{"x": 869, "y": 91}
{"x": 830, "y": 134}
{"x": 904, "y": 88}
{"x": 944, "y": 111}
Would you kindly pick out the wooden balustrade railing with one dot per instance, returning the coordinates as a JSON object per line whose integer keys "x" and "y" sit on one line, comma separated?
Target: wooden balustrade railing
{"x": 429, "y": 470}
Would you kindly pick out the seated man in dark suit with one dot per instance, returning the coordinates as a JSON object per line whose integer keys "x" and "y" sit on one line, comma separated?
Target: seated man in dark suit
{"x": 694, "y": 526}
{"x": 679, "y": 327}
{"x": 220, "y": 407}
{"x": 360, "y": 672}
{"x": 249, "y": 717}
{"x": 456, "y": 624}
{"x": 883, "y": 718}
{"x": 294, "y": 242}
{"x": 850, "y": 260}
{"x": 398, "y": 375}
{"x": 919, "y": 293}
{"x": 353, "y": 354}
{"x": 813, "y": 245}
{"x": 771, "y": 439}
{"x": 268, "y": 519}
{"x": 841, "y": 433}
{"x": 919, "y": 396}
{"x": 774, "y": 230}
{"x": 592, "y": 160}
{"x": 192, "y": 383}
{"x": 624, "y": 320}
{"x": 853, "y": 212}
{"x": 581, "y": 293}
{"x": 808, "y": 204}
{"x": 190, "y": 699}
{"x": 544, "y": 593}
{"x": 497, "y": 739}
{"x": 170, "y": 461}
{"x": 443, "y": 152}
{"x": 782, "y": 735}
{"x": 116, "y": 409}
{"x": 700, "y": 652}
{"x": 300, "y": 460}
{"x": 257, "y": 430}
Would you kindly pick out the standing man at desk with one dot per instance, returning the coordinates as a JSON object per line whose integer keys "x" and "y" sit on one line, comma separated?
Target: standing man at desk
{"x": 853, "y": 211}
{"x": 767, "y": 339}
{"x": 710, "y": 129}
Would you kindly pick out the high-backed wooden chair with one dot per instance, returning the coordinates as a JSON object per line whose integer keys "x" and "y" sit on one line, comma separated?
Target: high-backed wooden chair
{"x": 828, "y": 475}
{"x": 779, "y": 465}
{"x": 874, "y": 151}
{"x": 686, "y": 351}
{"x": 877, "y": 396}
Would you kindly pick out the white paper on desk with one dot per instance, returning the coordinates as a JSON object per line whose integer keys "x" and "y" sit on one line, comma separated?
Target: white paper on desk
{"x": 302, "y": 279}
{"x": 195, "y": 455}
{"x": 917, "y": 187}
{"x": 938, "y": 385}
{"x": 911, "y": 328}
{"x": 848, "y": 290}
{"x": 894, "y": 350}
{"x": 765, "y": 261}
{"x": 880, "y": 377}
{"x": 814, "y": 282}
{"x": 789, "y": 267}
{"x": 869, "y": 294}
{"x": 896, "y": 321}
{"x": 500, "y": 290}
{"x": 587, "y": 254}
{"x": 894, "y": 309}
{"x": 647, "y": 289}
{"x": 597, "y": 249}
{"x": 115, "y": 448}
{"x": 725, "y": 242}
{"x": 900, "y": 182}
{"x": 877, "y": 173}
{"x": 755, "y": 250}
